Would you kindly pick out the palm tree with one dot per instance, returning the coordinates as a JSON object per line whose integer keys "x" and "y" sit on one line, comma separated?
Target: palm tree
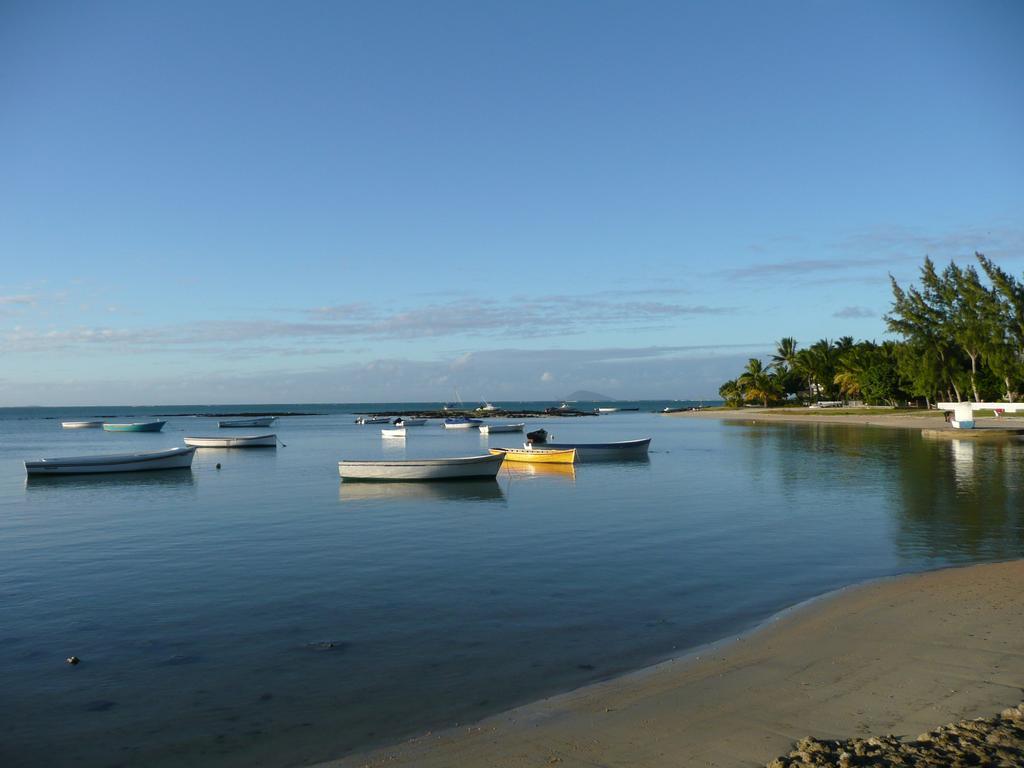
{"x": 785, "y": 354}
{"x": 731, "y": 393}
{"x": 757, "y": 383}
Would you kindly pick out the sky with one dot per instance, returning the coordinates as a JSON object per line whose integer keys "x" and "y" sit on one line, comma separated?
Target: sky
{"x": 241, "y": 202}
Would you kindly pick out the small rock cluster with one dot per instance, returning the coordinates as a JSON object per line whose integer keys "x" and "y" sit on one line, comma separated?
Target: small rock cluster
{"x": 996, "y": 741}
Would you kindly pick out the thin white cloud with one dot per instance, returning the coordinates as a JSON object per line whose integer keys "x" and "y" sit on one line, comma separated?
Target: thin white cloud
{"x": 548, "y": 316}
{"x": 854, "y": 312}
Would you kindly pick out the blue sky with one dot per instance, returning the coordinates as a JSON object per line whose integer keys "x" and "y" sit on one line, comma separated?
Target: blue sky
{"x": 269, "y": 202}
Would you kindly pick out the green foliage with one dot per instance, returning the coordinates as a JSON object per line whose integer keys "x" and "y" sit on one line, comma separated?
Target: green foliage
{"x": 961, "y": 336}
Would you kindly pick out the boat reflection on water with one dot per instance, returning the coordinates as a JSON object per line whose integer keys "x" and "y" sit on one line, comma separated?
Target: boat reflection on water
{"x": 963, "y": 461}
{"x": 431, "y": 490}
{"x": 165, "y": 478}
{"x": 515, "y": 470}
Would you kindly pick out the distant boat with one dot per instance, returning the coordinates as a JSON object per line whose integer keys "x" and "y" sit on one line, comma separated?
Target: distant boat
{"x": 624, "y": 449}
{"x": 607, "y": 410}
{"x": 460, "y": 422}
{"x": 394, "y": 432}
{"x": 239, "y": 441}
{"x": 175, "y": 458}
{"x": 81, "y": 424}
{"x": 538, "y": 455}
{"x": 403, "y": 422}
{"x": 488, "y": 429}
{"x": 139, "y": 426}
{"x": 421, "y": 469}
{"x": 261, "y": 421}
{"x": 487, "y": 407}
{"x": 373, "y": 420}
{"x": 537, "y": 436}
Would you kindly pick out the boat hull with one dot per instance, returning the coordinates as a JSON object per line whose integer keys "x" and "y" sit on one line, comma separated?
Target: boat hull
{"x": 397, "y": 433}
{"x": 263, "y": 421}
{"x": 148, "y": 426}
{"x": 241, "y": 441}
{"x": 421, "y": 469}
{"x": 620, "y": 451}
{"x": 175, "y": 458}
{"x": 373, "y": 420}
{"x": 411, "y": 422}
{"x": 81, "y": 424}
{"x": 537, "y": 455}
{"x": 490, "y": 429}
{"x": 462, "y": 424}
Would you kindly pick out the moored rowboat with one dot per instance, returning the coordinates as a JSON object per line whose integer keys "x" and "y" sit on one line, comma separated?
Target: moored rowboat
{"x": 138, "y": 426}
{"x": 538, "y": 455}
{"x": 373, "y": 420}
{"x": 81, "y": 424}
{"x": 488, "y": 429}
{"x": 260, "y": 421}
{"x": 398, "y": 432}
{"x": 239, "y": 441}
{"x": 462, "y": 423}
{"x": 175, "y": 458}
{"x": 421, "y": 469}
{"x": 624, "y": 449}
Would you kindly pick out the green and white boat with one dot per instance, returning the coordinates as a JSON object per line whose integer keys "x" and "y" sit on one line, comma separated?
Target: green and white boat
{"x": 138, "y": 426}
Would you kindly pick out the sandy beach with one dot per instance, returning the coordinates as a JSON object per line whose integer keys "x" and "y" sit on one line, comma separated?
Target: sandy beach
{"x": 932, "y": 421}
{"x": 899, "y": 656}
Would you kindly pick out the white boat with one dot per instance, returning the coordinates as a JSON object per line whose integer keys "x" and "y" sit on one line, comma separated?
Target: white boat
{"x": 398, "y": 432}
{"x": 240, "y": 441}
{"x": 175, "y": 458}
{"x": 488, "y": 429}
{"x": 461, "y": 422}
{"x": 402, "y": 422}
{"x": 261, "y": 421}
{"x": 422, "y": 469}
{"x": 607, "y": 410}
{"x": 373, "y": 420}
{"x": 624, "y": 449}
{"x": 82, "y": 424}
{"x": 487, "y": 407}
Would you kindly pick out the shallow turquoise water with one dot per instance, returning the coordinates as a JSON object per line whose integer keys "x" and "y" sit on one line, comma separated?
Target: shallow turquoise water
{"x": 265, "y": 613}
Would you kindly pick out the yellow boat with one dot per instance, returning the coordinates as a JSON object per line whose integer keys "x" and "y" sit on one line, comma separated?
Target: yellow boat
{"x": 538, "y": 455}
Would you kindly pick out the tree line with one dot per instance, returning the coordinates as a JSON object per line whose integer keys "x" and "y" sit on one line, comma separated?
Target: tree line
{"x": 960, "y": 337}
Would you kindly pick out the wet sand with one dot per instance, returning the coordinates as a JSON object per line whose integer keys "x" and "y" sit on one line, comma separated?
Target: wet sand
{"x": 899, "y": 656}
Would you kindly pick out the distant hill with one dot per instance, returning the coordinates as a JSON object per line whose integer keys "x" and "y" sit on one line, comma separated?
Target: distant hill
{"x": 586, "y": 394}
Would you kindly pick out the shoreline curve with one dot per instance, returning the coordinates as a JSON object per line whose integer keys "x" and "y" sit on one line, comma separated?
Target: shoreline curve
{"x": 899, "y": 654}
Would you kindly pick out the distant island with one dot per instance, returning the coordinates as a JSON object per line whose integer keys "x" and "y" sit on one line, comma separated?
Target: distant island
{"x": 586, "y": 394}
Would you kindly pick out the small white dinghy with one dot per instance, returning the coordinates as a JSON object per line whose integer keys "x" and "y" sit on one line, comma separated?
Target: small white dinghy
{"x": 398, "y": 432}
{"x": 490, "y": 429}
{"x": 261, "y": 421}
{"x": 373, "y": 420}
{"x": 82, "y": 424}
{"x": 422, "y": 469}
{"x": 175, "y": 458}
{"x": 241, "y": 441}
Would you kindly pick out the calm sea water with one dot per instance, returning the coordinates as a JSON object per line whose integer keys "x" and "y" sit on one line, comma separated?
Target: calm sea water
{"x": 264, "y": 613}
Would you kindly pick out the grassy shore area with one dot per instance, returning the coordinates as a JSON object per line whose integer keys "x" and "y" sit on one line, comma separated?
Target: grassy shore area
{"x": 900, "y": 656}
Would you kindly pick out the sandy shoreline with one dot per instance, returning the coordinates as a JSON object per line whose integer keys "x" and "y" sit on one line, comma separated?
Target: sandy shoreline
{"x": 898, "y": 656}
{"x": 931, "y": 420}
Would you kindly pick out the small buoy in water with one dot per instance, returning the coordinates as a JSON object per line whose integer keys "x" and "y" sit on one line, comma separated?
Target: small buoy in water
{"x": 218, "y": 465}
{"x": 72, "y": 660}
